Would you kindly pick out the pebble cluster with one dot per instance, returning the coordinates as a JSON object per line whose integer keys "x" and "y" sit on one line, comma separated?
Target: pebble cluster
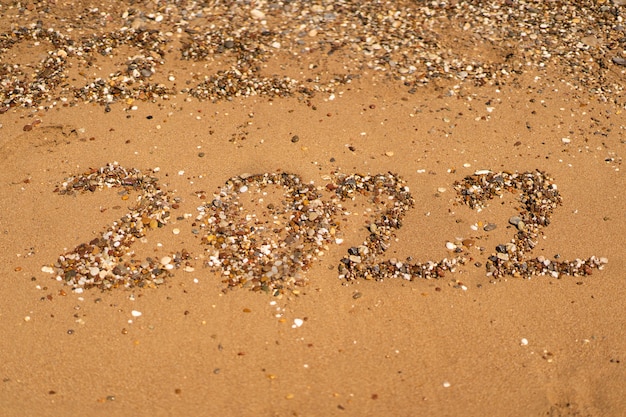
{"x": 103, "y": 262}
{"x": 269, "y": 252}
{"x": 392, "y": 198}
{"x": 539, "y": 197}
{"x": 412, "y": 43}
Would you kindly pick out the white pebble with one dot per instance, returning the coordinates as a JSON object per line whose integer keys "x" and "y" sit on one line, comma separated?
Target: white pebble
{"x": 47, "y": 269}
{"x": 257, "y": 14}
{"x": 93, "y": 271}
{"x": 566, "y": 140}
{"x": 297, "y": 323}
{"x": 446, "y": 384}
{"x": 450, "y": 246}
{"x": 176, "y": 231}
{"x": 135, "y": 313}
{"x": 243, "y": 189}
{"x": 524, "y": 342}
{"x": 482, "y": 172}
{"x": 166, "y": 260}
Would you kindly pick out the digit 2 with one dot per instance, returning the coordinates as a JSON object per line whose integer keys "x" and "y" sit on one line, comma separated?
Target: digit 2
{"x": 539, "y": 197}
{"x": 99, "y": 262}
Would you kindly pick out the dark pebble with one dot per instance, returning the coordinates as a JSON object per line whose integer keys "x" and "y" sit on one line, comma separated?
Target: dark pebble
{"x": 619, "y": 61}
{"x": 295, "y": 138}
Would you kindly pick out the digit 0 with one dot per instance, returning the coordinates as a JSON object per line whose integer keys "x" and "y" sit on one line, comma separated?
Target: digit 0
{"x": 266, "y": 252}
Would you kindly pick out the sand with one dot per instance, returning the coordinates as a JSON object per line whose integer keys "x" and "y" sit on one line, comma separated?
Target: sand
{"x": 465, "y": 344}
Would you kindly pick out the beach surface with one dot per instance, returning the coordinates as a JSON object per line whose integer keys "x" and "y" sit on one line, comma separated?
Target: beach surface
{"x": 312, "y": 208}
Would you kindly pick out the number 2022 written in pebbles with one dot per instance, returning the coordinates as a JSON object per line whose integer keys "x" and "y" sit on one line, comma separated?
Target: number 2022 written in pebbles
{"x": 273, "y": 256}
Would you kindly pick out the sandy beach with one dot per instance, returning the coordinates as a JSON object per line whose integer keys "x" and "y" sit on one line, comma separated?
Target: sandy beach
{"x": 312, "y": 208}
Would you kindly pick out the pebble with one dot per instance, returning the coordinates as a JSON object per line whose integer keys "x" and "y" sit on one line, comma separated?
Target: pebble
{"x": 257, "y": 14}
{"x": 136, "y": 313}
{"x": 48, "y": 269}
{"x": 489, "y": 227}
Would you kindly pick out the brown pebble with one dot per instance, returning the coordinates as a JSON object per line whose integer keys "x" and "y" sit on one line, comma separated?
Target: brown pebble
{"x": 468, "y": 242}
{"x": 27, "y": 128}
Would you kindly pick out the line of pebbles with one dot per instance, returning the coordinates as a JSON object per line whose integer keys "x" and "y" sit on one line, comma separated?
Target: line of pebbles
{"x": 413, "y": 43}
{"x": 272, "y": 252}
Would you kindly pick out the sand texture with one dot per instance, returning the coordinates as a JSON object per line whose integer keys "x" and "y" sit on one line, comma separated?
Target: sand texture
{"x": 326, "y": 208}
